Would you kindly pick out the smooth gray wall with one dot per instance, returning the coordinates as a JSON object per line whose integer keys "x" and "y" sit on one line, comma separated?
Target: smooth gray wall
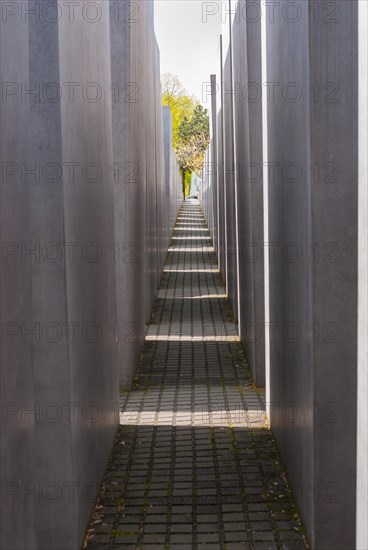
{"x": 144, "y": 210}
{"x": 221, "y": 168}
{"x": 16, "y": 295}
{"x": 362, "y": 376}
{"x": 129, "y": 258}
{"x": 318, "y": 294}
{"x": 86, "y": 132}
{"x": 230, "y": 185}
{"x": 236, "y": 182}
{"x": 247, "y": 84}
{"x": 68, "y": 294}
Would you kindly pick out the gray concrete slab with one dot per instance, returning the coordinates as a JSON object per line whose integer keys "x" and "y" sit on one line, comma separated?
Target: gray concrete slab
{"x": 362, "y": 374}
{"x": 142, "y": 199}
{"x": 313, "y": 288}
{"x": 16, "y": 384}
{"x": 53, "y": 465}
{"x": 126, "y": 178}
{"x": 86, "y": 138}
{"x": 247, "y": 79}
{"x": 221, "y": 165}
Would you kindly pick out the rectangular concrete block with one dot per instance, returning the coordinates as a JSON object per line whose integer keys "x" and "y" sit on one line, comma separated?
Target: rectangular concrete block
{"x": 61, "y": 224}
{"x": 230, "y": 181}
{"x": 313, "y": 137}
{"x": 362, "y": 374}
{"x": 247, "y": 86}
{"x": 143, "y": 196}
{"x": 220, "y": 166}
{"x": 130, "y": 264}
{"x": 234, "y": 208}
{"x": 86, "y": 135}
{"x": 16, "y": 381}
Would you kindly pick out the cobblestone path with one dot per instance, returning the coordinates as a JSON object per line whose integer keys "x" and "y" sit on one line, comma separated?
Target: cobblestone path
{"x": 194, "y": 464}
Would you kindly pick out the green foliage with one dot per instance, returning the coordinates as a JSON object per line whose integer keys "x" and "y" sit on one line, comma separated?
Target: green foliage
{"x": 193, "y": 140}
{"x": 191, "y": 133}
{"x": 197, "y": 124}
{"x": 187, "y": 184}
{"x": 181, "y": 105}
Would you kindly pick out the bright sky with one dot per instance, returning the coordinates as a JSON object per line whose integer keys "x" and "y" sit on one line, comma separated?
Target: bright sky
{"x": 188, "y": 34}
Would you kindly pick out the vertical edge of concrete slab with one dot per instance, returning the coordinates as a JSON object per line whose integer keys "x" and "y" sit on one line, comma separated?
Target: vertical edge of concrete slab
{"x": 51, "y": 376}
{"x": 257, "y": 252}
{"x": 334, "y": 224}
{"x": 249, "y": 162}
{"x": 362, "y": 378}
{"x": 90, "y": 278}
{"x": 308, "y": 369}
{"x": 16, "y": 382}
{"x": 129, "y": 254}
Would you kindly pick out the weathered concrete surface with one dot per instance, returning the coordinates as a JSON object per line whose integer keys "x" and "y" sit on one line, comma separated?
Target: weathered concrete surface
{"x": 247, "y": 86}
{"x": 16, "y": 293}
{"x": 230, "y": 182}
{"x": 67, "y": 299}
{"x": 142, "y": 196}
{"x": 313, "y": 271}
{"x": 129, "y": 260}
{"x": 86, "y": 132}
{"x": 209, "y": 184}
{"x": 362, "y": 375}
{"x": 52, "y": 369}
{"x": 233, "y": 186}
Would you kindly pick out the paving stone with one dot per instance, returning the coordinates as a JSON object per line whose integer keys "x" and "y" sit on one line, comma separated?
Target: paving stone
{"x": 208, "y": 518}
{"x": 150, "y": 538}
{"x": 207, "y": 527}
{"x": 181, "y": 538}
{"x": 183, "y": 469}
{"x": 237, "y": 546}
{"x": 290, "y": 536}
{"x": 235, "y": 537}
{"x": 261, "y": 525}
{"x": 237, "y": 527}
{"x": 208, "y": 537}
{"x": 263, "y": 535}
{"x": 154, "y": 528}
{"x": 181, "y": 528}
{"x": 129, "y": 527}
{"x": 293, "y": 545}
{"x": 126, "y": 539}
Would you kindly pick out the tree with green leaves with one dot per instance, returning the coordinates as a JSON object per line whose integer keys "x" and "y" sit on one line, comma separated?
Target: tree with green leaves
{"x": 193, "y": 140}
{"x": 190, "y": 127}
{"x": 181, "y": 105}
